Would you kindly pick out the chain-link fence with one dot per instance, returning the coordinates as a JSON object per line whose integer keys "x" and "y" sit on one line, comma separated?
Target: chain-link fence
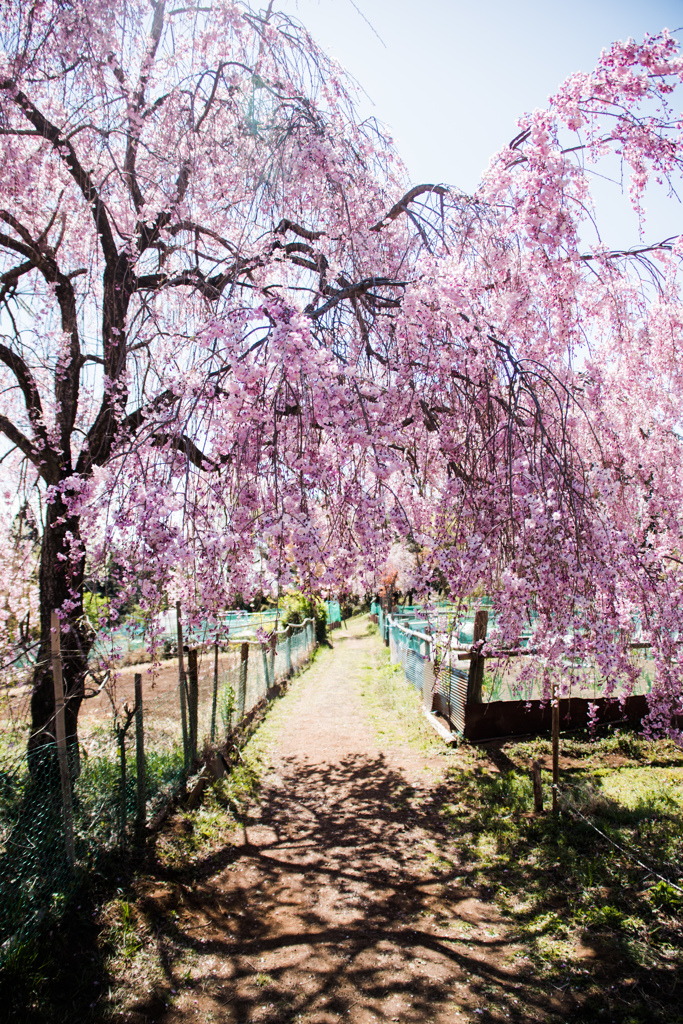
{"x": 141, "y": 737}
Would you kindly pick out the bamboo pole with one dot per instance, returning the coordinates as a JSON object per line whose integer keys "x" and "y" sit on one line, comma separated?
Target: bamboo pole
{"x": 242, "y": 689}
{"x": 60, "y": 731}
{"x": 141, "y": 817}
{"x": 182, "y": 686}
{"x": 271, "y": 658}
{"x": 264, "y": 656}
{"x": 193, "y": 674}
{"x": 121, "y": 736}
{"x": 214, "y": 700}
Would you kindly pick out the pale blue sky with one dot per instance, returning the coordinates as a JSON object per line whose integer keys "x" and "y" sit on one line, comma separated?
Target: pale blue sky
{"x": 450, "y": 79}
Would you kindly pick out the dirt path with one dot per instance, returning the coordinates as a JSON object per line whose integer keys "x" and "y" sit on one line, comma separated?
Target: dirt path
{"x": 333, "y": 905}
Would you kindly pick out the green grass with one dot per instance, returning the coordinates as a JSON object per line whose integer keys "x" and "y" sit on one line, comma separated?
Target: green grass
{"x": 394, "y": 707}
{"x": 586, "y": 913}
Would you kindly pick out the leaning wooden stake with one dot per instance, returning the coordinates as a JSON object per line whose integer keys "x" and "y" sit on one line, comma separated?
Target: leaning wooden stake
{"x": 556, "y": 745}
{"x": 60, "y": 731}
{"x": 141, "y": 816}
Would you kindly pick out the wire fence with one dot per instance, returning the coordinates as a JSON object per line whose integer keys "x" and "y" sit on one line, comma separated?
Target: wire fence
{"x": 141, "y": 738}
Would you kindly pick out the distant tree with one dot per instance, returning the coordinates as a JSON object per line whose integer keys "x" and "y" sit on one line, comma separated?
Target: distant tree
{"x": 240, "y": 350}
{"x": 167, "y": 175}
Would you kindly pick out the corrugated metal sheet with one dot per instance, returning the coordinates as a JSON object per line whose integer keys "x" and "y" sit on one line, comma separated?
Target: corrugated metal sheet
{"x": 449, "y": 696}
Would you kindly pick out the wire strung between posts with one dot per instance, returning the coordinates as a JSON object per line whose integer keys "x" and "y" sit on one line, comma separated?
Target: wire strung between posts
{"x": 646, "y": 867}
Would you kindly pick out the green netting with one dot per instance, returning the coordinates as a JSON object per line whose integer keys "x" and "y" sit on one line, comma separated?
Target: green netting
{"x": 333, "y": 611}
{"x": 36, "y": 877}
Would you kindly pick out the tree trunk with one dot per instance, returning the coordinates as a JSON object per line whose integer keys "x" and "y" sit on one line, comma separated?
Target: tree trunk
{"x": 60, "y": 589}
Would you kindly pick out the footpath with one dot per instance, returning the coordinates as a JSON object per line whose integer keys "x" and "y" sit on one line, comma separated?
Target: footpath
{"x": 338, "y": 898}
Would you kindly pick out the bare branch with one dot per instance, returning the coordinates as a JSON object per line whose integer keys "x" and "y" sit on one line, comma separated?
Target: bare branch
{"x": 402, "y": 205}
{"x": 67, "y": 154}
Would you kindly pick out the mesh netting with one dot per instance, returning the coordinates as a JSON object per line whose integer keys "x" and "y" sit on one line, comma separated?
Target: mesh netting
{"x": 110, "y": 800}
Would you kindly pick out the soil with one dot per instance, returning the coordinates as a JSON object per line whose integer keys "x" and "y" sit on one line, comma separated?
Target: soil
{"x": 341, "y": 898}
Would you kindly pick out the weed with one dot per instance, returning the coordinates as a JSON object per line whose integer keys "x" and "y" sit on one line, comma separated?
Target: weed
{"x": 22, "y": 977}
{"x": 198, "y": 832}
{"x": 665, "y": 898}
{"x": 394, "y": 706}
{"x": 123, "y": 937}
{"x": 227, "y": 703}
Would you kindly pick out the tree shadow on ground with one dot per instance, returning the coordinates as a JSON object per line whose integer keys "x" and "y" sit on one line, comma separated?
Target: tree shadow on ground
{"x": 346, "y": 897}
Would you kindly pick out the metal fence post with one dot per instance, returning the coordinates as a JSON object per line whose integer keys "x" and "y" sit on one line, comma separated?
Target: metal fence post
{"x": 193, "y": 673}
{"x": 289, "y": 650}
{"x": 60, "y": 730}
{"x": 141, "y": 817}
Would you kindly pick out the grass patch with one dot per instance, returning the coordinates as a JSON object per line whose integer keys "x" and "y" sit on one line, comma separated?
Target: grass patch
{"x": 394, "y": 707}
{"x": 588, "y": 917}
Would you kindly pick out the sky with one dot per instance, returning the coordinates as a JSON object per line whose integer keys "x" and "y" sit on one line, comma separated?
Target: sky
{"x": 449, "y": 78}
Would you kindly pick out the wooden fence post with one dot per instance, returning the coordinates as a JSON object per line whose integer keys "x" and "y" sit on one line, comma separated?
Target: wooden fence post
{"x": 60, "y": 732}
{"x": 556, "y": 745}
{"x": 182, "y": 685}
{"x": 193, "y": 674}
{"x": 141, "y": 816}
{"x": 242, "y": 689}
{"x": 476, "y": 673}
{"x": 214, "y": 701}
{"x": 288, "y": 634}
